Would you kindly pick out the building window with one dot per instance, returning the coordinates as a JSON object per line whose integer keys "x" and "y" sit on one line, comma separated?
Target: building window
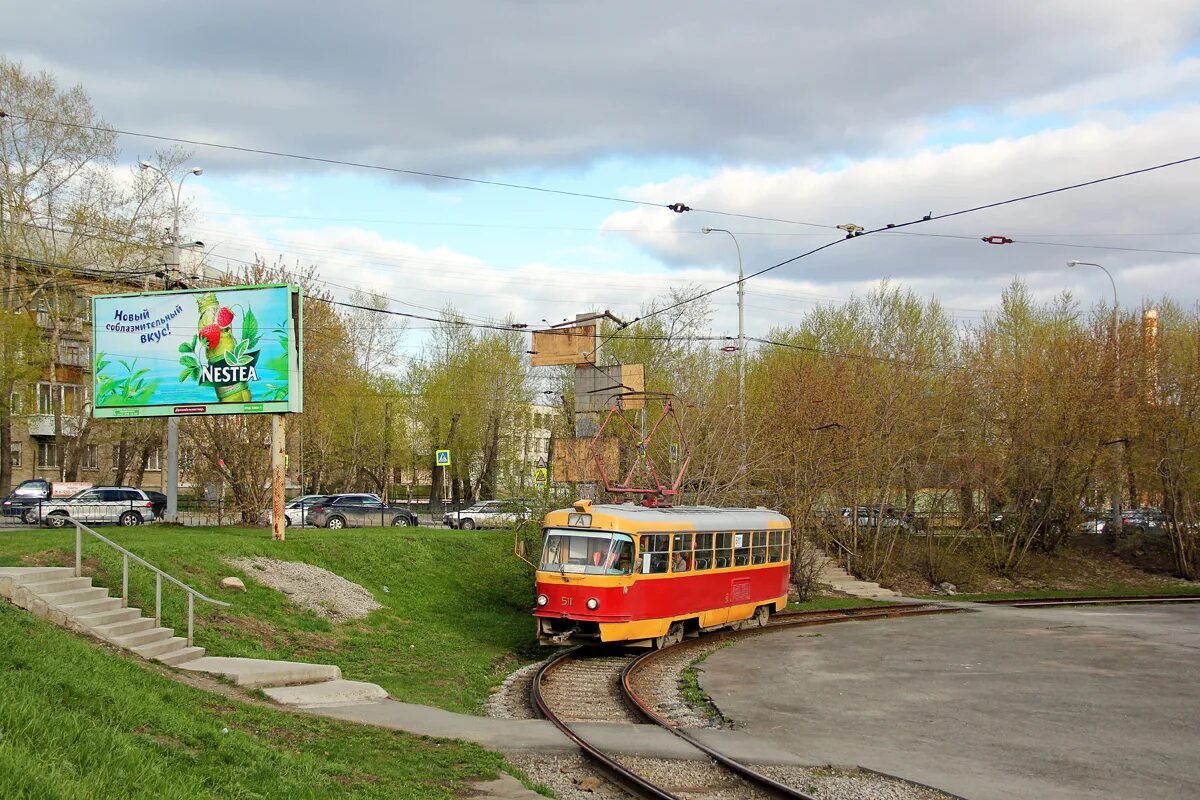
{"x": 71, "y": 397}
{"x": 14, "y": 454}
{"x": 91, "y": 457}
{"x": 47, "y": 454}
{"x": 74, "y": 353}
{"x": 154, "y": 464}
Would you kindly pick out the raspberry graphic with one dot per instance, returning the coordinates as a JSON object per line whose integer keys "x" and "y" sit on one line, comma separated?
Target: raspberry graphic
{"x": 213, "y": 334}
{"x": 224, "y": 317}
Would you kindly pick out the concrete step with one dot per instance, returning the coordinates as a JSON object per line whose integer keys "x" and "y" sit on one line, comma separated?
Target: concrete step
{"x": 256, "y": 672}
{"x": 108, "y": 617}
{"x": 161, "y": 647}
{"x": 75, "y": 596}
{"x": 57, "y": 584}
{"x": 88, "y": 607}
{"x": 43, "y": 574}
{"x": 174, "y": 658}
{"x": 327, "y": 693}
{"x": 115, "y": 630}
{"x": 151, "y": 635}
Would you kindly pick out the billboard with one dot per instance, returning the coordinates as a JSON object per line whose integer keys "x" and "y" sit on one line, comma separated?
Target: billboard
{"x": 229, "y": 350}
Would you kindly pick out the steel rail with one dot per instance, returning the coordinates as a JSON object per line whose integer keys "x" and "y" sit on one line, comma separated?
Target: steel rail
{"x": 771, "y": 785}
{"x": 794, "y": 619}
{"x": 624, "y": 777}
{"x": 1030, "y": 602}
{"x": 639, "y": 786}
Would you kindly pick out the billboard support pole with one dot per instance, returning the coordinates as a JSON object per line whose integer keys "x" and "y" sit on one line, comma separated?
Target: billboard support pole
{"x": 172, "y": 510}
{"x": 278, "y": 450}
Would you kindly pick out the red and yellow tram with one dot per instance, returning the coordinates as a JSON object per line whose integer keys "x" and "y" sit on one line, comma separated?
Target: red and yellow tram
{"x": 650, "y": 576}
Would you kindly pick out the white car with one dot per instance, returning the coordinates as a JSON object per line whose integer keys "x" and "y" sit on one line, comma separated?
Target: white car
{"x": 488, "y": 514}
{"x": 294, "y": 511}
{"x": 120, "y": 504}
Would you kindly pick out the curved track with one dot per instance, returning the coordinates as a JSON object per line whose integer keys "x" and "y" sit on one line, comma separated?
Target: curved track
{"x": 578, "y": 685}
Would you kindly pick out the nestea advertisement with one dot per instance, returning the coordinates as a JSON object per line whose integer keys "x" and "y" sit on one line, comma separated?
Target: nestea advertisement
{"x": 232, "y": 350}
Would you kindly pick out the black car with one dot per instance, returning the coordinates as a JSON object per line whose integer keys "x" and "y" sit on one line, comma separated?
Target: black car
{"x": 24, "y": 500}
{"x": 158, "y": 502}
{"x": 358, "y": 511}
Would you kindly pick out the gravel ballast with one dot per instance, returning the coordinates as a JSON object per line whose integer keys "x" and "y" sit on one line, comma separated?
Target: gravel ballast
{"x": 329, "y": 595}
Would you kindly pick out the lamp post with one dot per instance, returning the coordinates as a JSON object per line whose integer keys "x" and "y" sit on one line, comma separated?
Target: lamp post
{"x": 741, "y": 345}
{"x": 170, "y": 278}
{"x": 1116, "y": 486}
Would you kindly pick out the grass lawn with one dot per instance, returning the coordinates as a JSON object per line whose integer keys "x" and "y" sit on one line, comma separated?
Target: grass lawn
{"x": 455, "y": 616}
{"x": 834, "y": 603}
{"x": 77, "y": 722}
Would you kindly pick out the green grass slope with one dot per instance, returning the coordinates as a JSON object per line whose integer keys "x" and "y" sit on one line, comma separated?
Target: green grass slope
{"x": 79, "y": 722}
{"x": 455, "y": 616}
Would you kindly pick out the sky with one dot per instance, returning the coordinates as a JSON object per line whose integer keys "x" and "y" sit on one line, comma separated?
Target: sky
{"x": 775, "y": 121}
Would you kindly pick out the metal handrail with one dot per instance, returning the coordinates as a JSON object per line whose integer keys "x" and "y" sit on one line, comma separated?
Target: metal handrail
{"x": 849, "y": 553}
{"x": 158, "y": 578}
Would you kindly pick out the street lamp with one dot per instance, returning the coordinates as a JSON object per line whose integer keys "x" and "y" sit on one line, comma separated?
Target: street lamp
{"x": 171, "y": 279}
{"x": 741, "y": 341}
{"x": 1116, "y": 488}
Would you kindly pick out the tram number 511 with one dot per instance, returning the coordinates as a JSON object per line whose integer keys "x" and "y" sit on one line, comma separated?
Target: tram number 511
{"x": 566, "y": 601}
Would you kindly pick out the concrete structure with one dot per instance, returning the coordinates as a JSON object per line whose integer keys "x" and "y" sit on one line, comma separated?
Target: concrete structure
{"x": 1048, "y": 703}
{"x": 843, "y": 582}
{"x": 57, "y": 595}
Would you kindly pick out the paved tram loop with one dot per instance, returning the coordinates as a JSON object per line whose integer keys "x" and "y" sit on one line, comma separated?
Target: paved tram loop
{"x": 606, "y": 685}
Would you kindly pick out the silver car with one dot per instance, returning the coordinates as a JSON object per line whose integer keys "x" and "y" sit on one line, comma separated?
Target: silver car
{"x": 488, "y": 514}
{"x": 295, "y": 511}
{"x": 123, "y": 505}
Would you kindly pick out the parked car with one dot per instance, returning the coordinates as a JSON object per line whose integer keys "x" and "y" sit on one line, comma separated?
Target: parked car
{"x": 24, "y": 500}
{"x": 296, "y": 511}
{"x": 1142, "y": 520}
{"x": 358, "y": 510}
{"x": 158, "y": 502}
{"x": 123, "y": 505}
{"x": 488, "y": 514}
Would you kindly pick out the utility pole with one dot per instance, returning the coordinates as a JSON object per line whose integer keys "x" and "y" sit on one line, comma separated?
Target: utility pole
{"x": 170, "y": 281}
{"x": 741, "y": 353}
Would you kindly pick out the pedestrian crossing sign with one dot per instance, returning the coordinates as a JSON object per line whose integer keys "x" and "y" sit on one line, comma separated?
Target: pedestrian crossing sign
{"x": 442, "y": 458}
{"x": 540, "y": 475}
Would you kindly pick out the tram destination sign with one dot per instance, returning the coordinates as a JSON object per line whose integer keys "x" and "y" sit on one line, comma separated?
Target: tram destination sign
{"x": 195, "y": 352}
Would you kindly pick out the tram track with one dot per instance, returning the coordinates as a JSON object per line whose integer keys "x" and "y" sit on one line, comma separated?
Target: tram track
{"x": 579, "y": 686}
{"x": 1098, "y": 600}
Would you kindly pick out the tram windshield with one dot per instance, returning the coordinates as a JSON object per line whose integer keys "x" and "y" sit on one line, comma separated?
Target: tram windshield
{"x": 598, "y": 553}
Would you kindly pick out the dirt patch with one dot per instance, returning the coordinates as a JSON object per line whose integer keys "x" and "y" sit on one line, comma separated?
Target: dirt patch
{"x": 319, "y": 590}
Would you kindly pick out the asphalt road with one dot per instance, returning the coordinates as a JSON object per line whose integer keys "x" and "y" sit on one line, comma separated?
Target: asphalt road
{"x": 1000, "y": 704}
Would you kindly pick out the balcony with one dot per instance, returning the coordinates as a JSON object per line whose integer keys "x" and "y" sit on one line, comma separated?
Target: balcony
{"x": 43, "y": 425}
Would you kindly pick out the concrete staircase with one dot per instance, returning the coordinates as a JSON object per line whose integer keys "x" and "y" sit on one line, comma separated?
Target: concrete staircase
{"x": 57, "y": 595}
{"x": 843, "y": 582}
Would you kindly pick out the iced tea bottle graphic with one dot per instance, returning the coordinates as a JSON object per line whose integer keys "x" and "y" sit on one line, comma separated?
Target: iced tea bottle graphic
{"x": 236, "y": 392}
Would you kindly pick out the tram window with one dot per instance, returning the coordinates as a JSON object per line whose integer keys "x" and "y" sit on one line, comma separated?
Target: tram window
{"x": 787, "y": 545}
{"x": 704, "y": 550}
{"x": 656, "y": 553}
{"x": 759, "y": 555}
{"x": 775, "y": 548}
{"x": 741, "y": 549}
{"x": 593, "y": 554}
{"x": 723, "y": 557}
{"x": 683, "y": 553}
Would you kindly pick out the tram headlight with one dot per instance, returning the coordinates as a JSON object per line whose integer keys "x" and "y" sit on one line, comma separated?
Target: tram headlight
{"x": 542, "y": 599}
{"x": 593, "y": 604}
